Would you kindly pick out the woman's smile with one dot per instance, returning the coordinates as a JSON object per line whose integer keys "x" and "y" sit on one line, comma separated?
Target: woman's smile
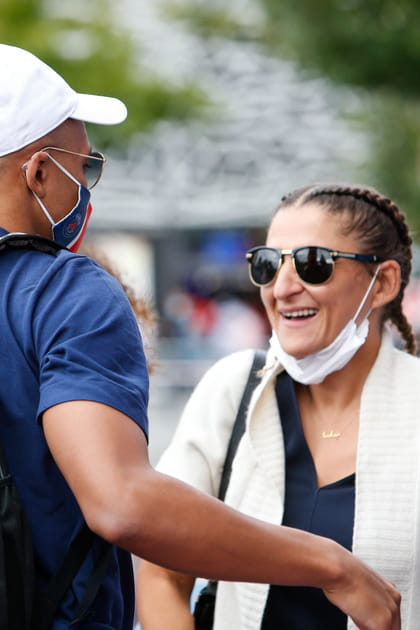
{"x": 299, "y": 313}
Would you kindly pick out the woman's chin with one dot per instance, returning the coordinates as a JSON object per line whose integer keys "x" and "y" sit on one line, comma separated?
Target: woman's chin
{"x": 298, "y": 349}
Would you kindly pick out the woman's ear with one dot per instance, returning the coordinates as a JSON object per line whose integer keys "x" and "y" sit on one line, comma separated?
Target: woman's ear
{"x": 387, "y": 283}
{"x": 36, "y": 172}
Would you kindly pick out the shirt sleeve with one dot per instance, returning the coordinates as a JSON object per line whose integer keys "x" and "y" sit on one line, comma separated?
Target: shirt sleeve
{"x": 88, "y": 341}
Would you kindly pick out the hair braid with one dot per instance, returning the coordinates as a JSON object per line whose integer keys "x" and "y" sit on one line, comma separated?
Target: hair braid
{"x": 374, "y": 198}
{"x": 384, "y": 233}
{"x": 396, "y": 315}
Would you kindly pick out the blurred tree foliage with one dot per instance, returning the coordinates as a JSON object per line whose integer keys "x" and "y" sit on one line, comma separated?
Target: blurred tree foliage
{"x": 370, "y": 43}
{"x": 82, "y": 41}
{"x": 371, "y": 46}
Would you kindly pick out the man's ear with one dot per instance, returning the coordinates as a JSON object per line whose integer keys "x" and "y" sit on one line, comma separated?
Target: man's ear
{"x": 387, "y": 283}
{"x": 36, "y": 172}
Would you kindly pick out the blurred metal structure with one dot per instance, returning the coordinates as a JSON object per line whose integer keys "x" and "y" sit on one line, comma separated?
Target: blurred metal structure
{"x": 270, "y": 130}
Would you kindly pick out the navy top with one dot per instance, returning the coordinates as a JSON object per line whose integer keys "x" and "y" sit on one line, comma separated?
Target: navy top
{"x": 67, "y": 333}
{"x": 326, "y": 511}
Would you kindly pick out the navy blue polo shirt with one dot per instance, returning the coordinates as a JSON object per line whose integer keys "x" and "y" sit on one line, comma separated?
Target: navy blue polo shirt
{"x": 67, "y": 333}
{"x": 327, "y": 511}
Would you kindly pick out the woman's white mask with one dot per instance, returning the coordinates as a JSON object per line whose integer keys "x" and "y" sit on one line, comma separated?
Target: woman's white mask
{"x": 314, "y": 368}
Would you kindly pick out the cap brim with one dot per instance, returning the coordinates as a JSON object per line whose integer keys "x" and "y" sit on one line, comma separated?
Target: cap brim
{"x": 102, "y": 110}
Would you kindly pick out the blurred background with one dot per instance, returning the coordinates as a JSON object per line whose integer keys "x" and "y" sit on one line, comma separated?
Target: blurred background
{"x": 231, "y": 105}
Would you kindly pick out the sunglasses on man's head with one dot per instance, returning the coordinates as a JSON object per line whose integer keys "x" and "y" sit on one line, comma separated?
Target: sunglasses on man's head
{"x": 93, "y": 167}
{"x": 313, "y": 265}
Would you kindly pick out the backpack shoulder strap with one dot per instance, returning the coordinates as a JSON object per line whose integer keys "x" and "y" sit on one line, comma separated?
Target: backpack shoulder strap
{"x": 239, "y": 424}
{"x": 21, "y": 240}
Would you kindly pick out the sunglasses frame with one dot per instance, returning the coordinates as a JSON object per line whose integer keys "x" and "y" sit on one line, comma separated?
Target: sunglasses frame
{"x": 93, "y": 155}
{"x": 332, "y": 253}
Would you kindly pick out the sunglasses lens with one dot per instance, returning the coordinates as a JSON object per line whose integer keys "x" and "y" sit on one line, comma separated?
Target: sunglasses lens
{"x": 93, "y": 168}
{"x": 264, "y": 265}
{"x": 314, "y": 265}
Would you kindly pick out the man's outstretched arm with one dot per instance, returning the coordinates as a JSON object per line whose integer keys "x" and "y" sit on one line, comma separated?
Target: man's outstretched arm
{"x": 103, "y": 456}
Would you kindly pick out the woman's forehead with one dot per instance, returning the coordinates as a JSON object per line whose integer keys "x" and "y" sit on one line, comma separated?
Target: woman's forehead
{"x": 309, "y": 224}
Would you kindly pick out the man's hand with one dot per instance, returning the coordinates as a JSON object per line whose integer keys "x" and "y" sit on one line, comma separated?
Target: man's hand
{"x": 372, "y": 602}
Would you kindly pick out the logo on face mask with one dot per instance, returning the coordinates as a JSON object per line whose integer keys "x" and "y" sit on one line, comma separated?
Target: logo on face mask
{"x": 70, "y": 229}
{"x": 80, "y": 231}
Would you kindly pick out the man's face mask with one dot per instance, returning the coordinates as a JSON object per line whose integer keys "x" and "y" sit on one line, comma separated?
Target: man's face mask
{"x": 70, "y": 230}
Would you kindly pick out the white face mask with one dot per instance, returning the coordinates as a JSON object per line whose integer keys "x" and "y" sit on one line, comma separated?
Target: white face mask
{"x": 314, "y": 368}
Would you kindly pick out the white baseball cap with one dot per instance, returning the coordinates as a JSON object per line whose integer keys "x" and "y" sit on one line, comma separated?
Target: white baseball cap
{"x": 34, "y": 100}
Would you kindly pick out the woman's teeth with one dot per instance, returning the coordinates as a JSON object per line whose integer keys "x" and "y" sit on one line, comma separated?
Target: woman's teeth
{"x": 305, "y": 312}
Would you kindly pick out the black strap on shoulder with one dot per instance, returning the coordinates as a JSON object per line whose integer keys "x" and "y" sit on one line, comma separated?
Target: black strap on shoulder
{"x": 239, "y": 424}
{"x": 21, "y": 240}
{"x": 210, "y": 590}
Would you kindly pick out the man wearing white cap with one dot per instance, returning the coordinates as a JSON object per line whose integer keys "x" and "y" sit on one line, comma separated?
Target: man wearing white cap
{"x": 74, "y": 391}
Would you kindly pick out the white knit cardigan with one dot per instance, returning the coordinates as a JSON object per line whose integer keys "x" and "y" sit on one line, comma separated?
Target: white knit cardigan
{"x": 386, "y": 528}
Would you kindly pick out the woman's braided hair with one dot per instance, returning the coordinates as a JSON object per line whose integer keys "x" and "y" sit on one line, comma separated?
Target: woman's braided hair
{"x": 382, "y": 229}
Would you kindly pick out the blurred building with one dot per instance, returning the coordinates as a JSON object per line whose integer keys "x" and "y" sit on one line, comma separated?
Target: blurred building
{"x": 268, "y": 130}
{"x": 193, "y": 197}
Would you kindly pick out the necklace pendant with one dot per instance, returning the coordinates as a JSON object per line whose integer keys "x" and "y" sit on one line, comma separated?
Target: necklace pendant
{"x": 330, "y": 434}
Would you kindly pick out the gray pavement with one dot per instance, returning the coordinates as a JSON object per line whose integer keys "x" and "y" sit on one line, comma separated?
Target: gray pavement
{"x": 170, "y": 387}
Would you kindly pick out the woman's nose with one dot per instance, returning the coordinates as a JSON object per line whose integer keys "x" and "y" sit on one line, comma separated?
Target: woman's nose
{"x": 287, "y": 281}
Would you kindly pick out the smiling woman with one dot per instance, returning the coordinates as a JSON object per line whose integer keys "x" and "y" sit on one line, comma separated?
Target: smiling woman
{"x": 319, "y": 451}
{"x": 333, "y": 281}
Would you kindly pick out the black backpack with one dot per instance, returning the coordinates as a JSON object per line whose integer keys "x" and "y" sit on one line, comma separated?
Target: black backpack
{"x": 22, "y": 606}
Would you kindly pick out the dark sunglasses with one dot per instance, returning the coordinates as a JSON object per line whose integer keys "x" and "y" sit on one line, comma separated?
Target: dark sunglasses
{"x": 93, "y": 167}
{"x": 314, "y": 265}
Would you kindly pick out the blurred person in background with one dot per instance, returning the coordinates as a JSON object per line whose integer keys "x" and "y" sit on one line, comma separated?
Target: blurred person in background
{"x": 332, "y": 437}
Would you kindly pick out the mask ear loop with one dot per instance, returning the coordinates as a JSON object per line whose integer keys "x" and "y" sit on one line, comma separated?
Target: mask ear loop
{"x": 24, "y": 168}
{"x": 44, "y": 209}
{"x": 365, "y": 297}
